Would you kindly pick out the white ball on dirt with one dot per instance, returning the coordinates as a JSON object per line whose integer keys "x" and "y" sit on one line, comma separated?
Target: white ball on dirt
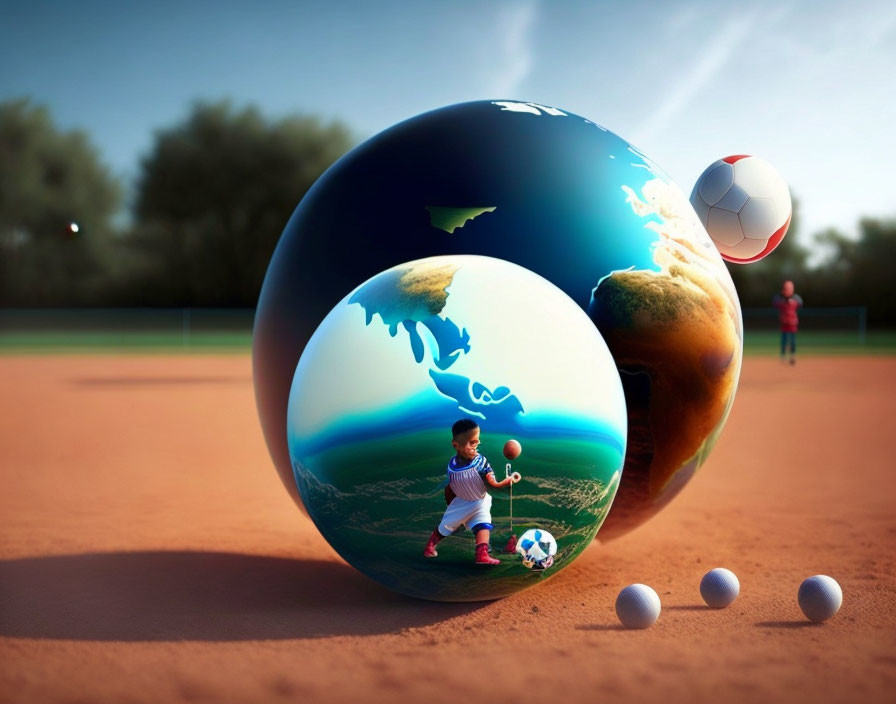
{"x": 638, "y": 606}
{"x": 719, "y": 587}
{"x": 820, "y": 597}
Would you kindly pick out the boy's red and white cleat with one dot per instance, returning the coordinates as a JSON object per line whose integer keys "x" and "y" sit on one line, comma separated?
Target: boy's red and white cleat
{"x": 430, "y": 549}
{"x": 511, "y": 545}
{"x": 482, "y": 556}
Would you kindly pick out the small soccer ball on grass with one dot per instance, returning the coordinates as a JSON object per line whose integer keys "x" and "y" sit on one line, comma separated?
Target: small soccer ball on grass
{"x": 820, "y": 597}
{"x": 744, "y": 204}
{"x": 537, "y": 549}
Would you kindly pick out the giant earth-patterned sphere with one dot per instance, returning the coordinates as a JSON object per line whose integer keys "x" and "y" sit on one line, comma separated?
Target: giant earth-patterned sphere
{"x": 404, "y": 356}
{"x": 556, "y": 194}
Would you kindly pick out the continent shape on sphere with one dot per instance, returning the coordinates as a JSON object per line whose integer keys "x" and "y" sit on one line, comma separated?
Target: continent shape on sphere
{"x": 561, "y": 196}
{"x": 396, "y": 363}
{"x": 744, "y": 204}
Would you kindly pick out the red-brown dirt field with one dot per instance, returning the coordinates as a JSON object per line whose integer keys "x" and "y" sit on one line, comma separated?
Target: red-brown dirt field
{"x": 149, "y": 553}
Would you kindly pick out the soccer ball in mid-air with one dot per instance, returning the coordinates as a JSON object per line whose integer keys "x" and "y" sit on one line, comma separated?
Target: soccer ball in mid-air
{"x": 537, "y": 549}
{"x": 744, "y": 204}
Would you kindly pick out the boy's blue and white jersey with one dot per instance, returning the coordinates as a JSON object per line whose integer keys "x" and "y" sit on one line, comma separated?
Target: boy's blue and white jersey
{"x": 468, "y": 481}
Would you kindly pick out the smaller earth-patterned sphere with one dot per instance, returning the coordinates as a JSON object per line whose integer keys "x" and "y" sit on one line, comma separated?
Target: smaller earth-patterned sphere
{"x": 404, "y": 356}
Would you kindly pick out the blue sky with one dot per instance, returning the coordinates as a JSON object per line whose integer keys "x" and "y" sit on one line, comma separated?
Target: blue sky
{"x": 807, "y": 85}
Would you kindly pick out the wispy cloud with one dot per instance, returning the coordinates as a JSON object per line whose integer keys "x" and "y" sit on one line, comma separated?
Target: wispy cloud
{"x": 707, "y": 67}
{"x": 515, "y": 57}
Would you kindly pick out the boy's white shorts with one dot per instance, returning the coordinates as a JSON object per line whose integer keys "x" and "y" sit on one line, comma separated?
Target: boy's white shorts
{"x": 463, "y": 512}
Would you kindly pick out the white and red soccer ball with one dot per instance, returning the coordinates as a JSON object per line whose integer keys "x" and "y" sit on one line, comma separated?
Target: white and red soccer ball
{"x": 744, "y": 204}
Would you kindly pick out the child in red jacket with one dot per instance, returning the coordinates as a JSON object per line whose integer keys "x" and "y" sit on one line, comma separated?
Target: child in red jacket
{"x": 787, "y": 303}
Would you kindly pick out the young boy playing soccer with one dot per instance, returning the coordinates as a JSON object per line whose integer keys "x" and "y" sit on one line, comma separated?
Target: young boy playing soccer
{"x": 469, "y": 503}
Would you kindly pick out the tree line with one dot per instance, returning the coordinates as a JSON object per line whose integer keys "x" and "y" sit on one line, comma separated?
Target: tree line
{"x": 211, "y": 199}
{"x": 213, "y": 195}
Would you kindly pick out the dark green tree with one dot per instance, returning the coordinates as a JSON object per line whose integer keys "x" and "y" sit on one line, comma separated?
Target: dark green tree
{"x": 49, "y": 179}
{"x": 859, "y": 272}
{"x": 213, "y": 197}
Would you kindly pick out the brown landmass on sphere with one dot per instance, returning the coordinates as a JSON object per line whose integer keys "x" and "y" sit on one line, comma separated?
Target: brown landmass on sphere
{"x": 428, "y": 283}
{"x": 676, "y": 330}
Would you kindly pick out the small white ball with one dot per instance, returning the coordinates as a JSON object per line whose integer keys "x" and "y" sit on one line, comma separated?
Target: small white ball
{"x": 820, "y": 597}
{"x": 719, "y": 587}
{"x": 638, "y": 606}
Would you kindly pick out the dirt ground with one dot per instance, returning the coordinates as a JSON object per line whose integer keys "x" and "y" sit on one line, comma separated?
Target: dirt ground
{"x": 149, "y": 553}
